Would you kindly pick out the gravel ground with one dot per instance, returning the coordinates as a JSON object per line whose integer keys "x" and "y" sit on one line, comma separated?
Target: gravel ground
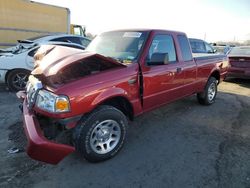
{"x": 182, "y": 144}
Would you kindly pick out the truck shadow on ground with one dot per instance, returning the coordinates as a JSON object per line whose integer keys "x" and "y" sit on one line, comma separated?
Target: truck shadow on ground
{"x": 241, "y": 82}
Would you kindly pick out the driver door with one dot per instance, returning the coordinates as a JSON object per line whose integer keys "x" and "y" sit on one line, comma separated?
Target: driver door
{"x": 162, "y": 81}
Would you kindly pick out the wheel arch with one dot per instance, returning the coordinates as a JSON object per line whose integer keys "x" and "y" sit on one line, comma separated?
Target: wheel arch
{"x": 10, "y": 70}
{"x": 116, "y": 97}
{"x": 215, "y": 74}
{"x": 122, "y": 104}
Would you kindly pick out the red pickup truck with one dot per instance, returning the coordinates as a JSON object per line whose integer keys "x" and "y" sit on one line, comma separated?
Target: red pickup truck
{"x": 82, "y": 100}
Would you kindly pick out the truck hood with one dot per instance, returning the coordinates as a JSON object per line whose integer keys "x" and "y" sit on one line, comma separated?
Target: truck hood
{"x": 50, "y": 59}
{"x": 60, "y": 64}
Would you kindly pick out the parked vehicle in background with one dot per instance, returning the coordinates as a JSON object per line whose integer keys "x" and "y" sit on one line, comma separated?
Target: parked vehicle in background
{"x": 22, "y": 19}
{"x": 201, "y": 46}
{"x": 90, "y": 95}
{"x": 222, "y": 48}
{"x": 17, "y": 62}
{"x": 239, "y": 61}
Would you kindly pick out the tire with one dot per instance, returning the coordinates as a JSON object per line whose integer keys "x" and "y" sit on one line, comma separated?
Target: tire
{"x": 17, "y": 79}
{"x": 100, "y": 134}
{"x": 208, "y": 96}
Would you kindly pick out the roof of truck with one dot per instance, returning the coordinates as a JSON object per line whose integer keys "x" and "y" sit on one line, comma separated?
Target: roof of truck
{"x": 148, "y": 30}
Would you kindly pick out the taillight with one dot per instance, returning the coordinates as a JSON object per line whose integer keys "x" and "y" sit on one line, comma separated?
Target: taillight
{"x": 229, "y": 63}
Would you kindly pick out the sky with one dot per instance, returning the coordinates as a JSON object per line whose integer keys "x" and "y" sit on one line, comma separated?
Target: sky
{"x": 212, "y": 20}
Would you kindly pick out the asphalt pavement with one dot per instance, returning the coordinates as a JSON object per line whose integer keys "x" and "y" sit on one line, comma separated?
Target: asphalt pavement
{"x": 182, "y": 144}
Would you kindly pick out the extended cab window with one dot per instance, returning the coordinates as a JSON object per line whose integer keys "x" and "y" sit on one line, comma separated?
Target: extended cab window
{"x": 163, "y": 44}
{"x": 185, "y": 49}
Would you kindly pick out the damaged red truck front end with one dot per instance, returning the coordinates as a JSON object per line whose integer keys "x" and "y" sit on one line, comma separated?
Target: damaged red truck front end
{"x": 56, "y": 69}
{"x": 39, "y": 147}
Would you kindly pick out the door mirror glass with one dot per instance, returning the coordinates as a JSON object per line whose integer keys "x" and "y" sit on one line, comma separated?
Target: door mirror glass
{"x": 159, "y": 59}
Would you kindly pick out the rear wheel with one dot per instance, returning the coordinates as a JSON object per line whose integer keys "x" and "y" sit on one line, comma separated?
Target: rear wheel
{"x": 101, "y": 134}
{"x": 208, "y": 96}
{"x": 17, "y": 79}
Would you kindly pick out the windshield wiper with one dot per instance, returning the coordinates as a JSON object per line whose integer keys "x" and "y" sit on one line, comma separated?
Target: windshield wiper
{"x": 116, "y": 59}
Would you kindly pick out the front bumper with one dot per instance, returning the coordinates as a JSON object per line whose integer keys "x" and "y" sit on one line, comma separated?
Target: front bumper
{"x": 40, "y": 148}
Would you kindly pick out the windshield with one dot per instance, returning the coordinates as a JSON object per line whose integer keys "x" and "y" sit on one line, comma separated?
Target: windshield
{"x": 124, "y": 46}
{"x": 240, "y": 51}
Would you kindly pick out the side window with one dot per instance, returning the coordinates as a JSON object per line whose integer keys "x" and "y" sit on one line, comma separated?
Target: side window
{"x": 163, "y": 44}
{"x": 61, "y": 39}
{"x": 201, "y": 47}
{"x": 192, "y": 46}
{"x": 84, "y": 42}
{"x": 72, "y": 46}
{"x": 209, "y": 49}
{"x": 198, "y": 47}
{"x": 185, "y": 49}
{"x": 75, "y": 40}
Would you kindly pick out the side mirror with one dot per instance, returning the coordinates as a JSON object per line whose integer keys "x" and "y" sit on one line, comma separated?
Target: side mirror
{"x": 159, "y": 59}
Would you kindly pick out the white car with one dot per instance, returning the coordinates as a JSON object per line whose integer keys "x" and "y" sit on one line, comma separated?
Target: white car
{"x": 17, "y": 62}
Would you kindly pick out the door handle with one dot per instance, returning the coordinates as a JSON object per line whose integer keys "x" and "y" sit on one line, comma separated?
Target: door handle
{"x": 178, "y": 69}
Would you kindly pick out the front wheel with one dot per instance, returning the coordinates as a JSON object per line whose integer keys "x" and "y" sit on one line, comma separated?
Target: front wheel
{"x": 208, "y": 96}
{"x": 100, "y": 134}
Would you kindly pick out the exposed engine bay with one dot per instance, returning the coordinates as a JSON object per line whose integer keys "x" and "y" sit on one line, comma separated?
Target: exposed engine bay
{"x": 80, "y": 69}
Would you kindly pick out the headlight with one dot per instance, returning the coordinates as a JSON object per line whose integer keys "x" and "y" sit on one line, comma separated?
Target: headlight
{"x": 52, "y": 103}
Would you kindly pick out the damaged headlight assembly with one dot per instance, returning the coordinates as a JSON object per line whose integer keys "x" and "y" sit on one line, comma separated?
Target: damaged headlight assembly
{"x": 50, "y": 102}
